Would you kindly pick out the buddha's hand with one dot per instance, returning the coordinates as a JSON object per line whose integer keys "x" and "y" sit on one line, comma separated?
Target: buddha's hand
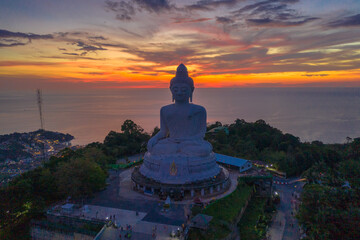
{"x": 183, "y": 139}
{"x": 151, "y": 143}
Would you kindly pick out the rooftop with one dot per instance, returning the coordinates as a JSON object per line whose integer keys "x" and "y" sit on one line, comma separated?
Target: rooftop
{"x": 230, "y": 160}
{"x": 201, "y": 221}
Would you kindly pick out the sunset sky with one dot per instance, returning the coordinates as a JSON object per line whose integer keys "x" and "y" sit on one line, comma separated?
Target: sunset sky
{"x": 139, "y": 43}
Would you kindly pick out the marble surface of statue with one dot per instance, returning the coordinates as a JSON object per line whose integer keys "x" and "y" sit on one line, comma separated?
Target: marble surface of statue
{"x": 178, "y": 153}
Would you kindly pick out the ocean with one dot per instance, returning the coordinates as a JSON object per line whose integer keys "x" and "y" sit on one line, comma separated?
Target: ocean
{"x": 326, "y": 114}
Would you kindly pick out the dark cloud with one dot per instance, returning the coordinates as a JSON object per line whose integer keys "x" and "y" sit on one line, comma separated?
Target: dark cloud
{"x": 260, "y": 21}
{"x": 24, "y": 63}
{"x": 277, "y": 23}
{"x": 190, "y": 20}
{"x": 198, "y": 7}
{"x": 252, "y": 7}
{"x": 84, "y": 43}
{"x": 13, "y": 39}
{"x": 207, "y": 5}
{"x": 97, "y": 38}
{"x": 73, "y": 57}
{"x": 77, "y": 34}
{"x": 165, "y": 57}
{"x": 224, "y": 20}
{"x": 154, "y": 5}
{"x": 116, "y": 45}
{"x": 84, "y": 40}
{"x": 275, "y": 13}
{"x": 12, "y": 44}
{"x": 351, "y": 21}
{"x": 72, "y": 54}
{"x": 130, "y": 32}
{"x": 88, "y": 48}
{"x": 268, "y": 5}
{"x": 30, "y": 36}
{"x": 315, "y": 75}
{"x": 125, "y": 10}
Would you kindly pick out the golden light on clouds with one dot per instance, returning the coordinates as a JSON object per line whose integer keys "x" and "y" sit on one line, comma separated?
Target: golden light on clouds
{"x": 270, "y": 43}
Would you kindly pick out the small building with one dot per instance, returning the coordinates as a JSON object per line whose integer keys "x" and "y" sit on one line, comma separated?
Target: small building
{"x": 233, "y": 162}
{"x": 67, "y": 208}
{"x": 201, "y": 221}
{"x": 218, "y": 129}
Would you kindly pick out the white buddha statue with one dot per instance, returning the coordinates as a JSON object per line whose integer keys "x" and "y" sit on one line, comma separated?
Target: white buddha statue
{"x": 178, "y": 153}
{"x": 182, "y": 125}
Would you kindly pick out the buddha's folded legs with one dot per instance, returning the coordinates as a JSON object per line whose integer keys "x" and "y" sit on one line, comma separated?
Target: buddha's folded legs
{"x": 188, "y": 148}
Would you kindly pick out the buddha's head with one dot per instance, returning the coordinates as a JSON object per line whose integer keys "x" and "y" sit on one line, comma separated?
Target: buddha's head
{"x": 182, "y": 86}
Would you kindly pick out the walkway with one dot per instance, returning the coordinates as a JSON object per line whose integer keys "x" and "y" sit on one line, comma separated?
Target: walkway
{"x": 285, "y": 225}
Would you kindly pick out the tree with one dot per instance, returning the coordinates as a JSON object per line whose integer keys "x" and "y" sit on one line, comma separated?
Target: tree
{"x": 80, "y": 177}
{"x": 155, "y": 131}
{"x": 97, "y": 155}
{"x": 130, "y": 128}
{"x": 353, "y": 151}
{"x": 351, "y": 171}
{"x": 63, "y": 156}
{"x": 214, "y": 125}
{"x": 132, "y": 140}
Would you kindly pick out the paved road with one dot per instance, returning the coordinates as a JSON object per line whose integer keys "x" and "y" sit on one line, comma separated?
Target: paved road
{"x": 285, "y": 225}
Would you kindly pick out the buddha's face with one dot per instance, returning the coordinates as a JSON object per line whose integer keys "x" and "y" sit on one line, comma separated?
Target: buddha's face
{"x": 181, "y": 92}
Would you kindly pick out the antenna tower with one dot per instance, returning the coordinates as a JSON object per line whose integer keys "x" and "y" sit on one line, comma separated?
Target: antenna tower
{"x": 40, "y": 101}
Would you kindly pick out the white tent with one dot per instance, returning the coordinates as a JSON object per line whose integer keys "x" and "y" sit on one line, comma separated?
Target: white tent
{"x": 86, "y": 209}
{"x": 167, "y": 202}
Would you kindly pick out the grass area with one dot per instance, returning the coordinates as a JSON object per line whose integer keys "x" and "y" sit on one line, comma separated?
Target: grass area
{"x": 217, "y": 230}
{"x": 87, "y": 228}
{"x": 253, "y": 224}
{"x": 123, "y": 166}
{"x": 228, "y": 208}
{"x": 224, "y": 211}
{"x": 4, "y": 176}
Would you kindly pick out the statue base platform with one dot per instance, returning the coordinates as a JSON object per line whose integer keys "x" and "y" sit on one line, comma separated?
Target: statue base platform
{"x": 204, "y": 188}
{"x": 179, "y": 169}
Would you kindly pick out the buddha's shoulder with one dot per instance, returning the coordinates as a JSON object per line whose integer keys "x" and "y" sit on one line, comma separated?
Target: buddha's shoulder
{"x": 164, "y": 108}
{"x": 193, "y": 107}
{"x": 198, "y": 108}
